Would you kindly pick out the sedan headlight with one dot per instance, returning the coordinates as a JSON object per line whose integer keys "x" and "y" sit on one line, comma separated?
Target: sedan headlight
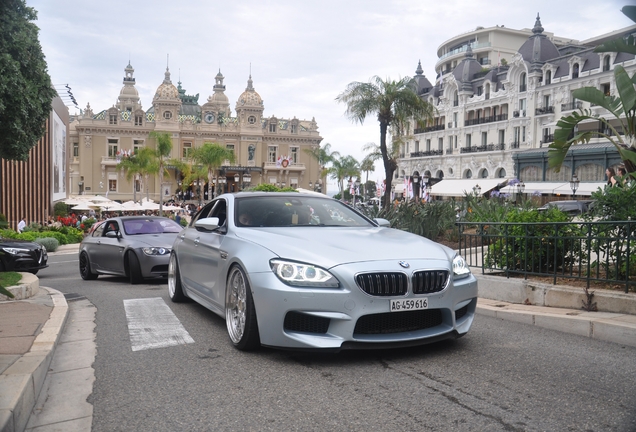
{"x": 303, "y": 275}
{"x": 460, "y": 268}
{"x": 14, "y": 251}
{"x": 156, "y": 251}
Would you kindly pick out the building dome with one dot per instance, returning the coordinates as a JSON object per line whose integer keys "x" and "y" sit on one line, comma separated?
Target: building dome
{"x": 538, "y": 48}
{"x": 167, "y": 90}
{"x": 249, "y": 96}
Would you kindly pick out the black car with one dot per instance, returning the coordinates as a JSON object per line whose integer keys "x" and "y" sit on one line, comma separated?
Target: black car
{"x": 22, "y": 255}
{"x": 572, "y": 207}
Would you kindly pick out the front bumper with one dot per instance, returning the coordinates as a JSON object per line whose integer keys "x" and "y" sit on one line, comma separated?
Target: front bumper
{"x": 26, "y": 261}
{"x": 348, "y": 318}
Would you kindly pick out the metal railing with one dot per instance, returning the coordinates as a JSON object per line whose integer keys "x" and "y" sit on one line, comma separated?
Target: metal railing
{"x": 590, "y": 251}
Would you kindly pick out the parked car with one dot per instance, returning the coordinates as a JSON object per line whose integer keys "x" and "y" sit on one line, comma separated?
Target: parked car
{"x": 300, "y": 271}
{"x": 22, "y": 256}
{"x": 571, "y": 207}
{"x": 136, "y": 247}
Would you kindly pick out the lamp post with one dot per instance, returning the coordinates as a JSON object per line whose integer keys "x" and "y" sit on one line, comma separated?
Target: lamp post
{"x": 574, "y": 184}
{"x": 416, "y": 186}
{"x": 318, "y": 186}
{"x": 221, "y": 182}
{"x": 81, "y": 187}
{"x": 247, "y": 179}
{"x": 477, "y": 190}
{"x": 237, "y": 178}
{"x": 521, "y": 186}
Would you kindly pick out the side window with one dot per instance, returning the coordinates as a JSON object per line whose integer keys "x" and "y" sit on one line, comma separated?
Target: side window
{"x": 98, "y": 230}
{"x": 219, "y": 210}
{"x": 111, "y": 226}
{"x": 203, "y": 213}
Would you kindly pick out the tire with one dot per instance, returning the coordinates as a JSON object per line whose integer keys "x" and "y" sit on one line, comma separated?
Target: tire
{"x": 134, "y": 269}
{"x": 85, "y": 267}
{"x": 175, "y": 290}
{"x": 240, "y": 314}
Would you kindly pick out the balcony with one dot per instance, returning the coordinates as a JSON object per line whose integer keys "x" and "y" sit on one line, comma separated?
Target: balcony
{"x": 483, "y": 148}
{"x": 449, "y": 150}
{"x": 546, "y": 110}
{"x": 291, "y": 166}
{"x": 109, "y": 161}
{"x": 489, "y": 119}
{"x": 547, "y": 139}
{"x": 515, "y": 144}
{"x": 427, "y": 153}
{"x": 429, "y": 129}
{"x": 572, "y": 106}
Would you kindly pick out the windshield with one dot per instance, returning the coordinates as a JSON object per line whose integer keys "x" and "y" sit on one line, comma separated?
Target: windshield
{"x": 278, "y": 211}
{"x": 151, "y": 226}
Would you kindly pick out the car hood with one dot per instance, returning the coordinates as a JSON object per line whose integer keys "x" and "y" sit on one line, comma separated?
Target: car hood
{"x": 14, "y": 243}
{"x": 329, "y": 247}
{"x": 154, "y": 240}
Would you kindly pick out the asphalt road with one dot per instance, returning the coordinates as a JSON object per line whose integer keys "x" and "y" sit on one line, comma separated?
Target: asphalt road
{"x": 503, "y": 376}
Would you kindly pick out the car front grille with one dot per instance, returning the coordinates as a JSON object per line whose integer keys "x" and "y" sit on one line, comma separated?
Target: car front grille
{"x": 398, "y": 322}
{"x": 382, "y": 284}
{"x": 396, "y": 284}
{"x": 429, "y": 281}
{"x": 300, "y": 322}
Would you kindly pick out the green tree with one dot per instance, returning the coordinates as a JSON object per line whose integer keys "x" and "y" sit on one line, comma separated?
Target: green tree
{"x": 367, "y": 166}
{"x": 136, "y": 165}
{"x": 393, "y": 102}
{"x": 25, "y": 85}
{"x": 324, "y": 156}
{"x": 622, "y": 108}
{"x": 343, "y": 167}
{"x": 160, "y": 160}
{"x": 211, "y": 156}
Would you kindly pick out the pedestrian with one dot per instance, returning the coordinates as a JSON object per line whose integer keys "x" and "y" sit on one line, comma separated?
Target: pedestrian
{"x": 622, "y": 172}
{"x": 611, "y": 176}
{"x": 22, "y": 225}
{"x": 177, "y": 218}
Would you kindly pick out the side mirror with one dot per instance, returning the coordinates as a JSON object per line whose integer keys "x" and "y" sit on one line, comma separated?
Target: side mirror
{"x": 208, "y": 224}
{"x": 382, "y": 222}
{"x": 113, "y": 234}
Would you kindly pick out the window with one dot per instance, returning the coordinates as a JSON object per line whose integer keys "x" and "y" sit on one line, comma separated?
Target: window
{"x": 455, "y": 99}
{"x": 522, "y": 106}
{"x": 294, "y": 128}
{"x": 294, "y": 154}
{"x": 480, "y": 90}
{"x": 251, "y": 119}
{"x": 428, "y": 145}
{"x": 501, "y": 173}
{"x": 575, "y": 70}
{"x": 272, "y": 127}
{"x": 546, "y": 101}
{"x": 548, "y": 77}
{"x": 186, "y": 149}
{"x": 137, "y": 145}
{"x": 455, "y": 142}
{"x": 523, "y": 134}
{"x": 75, "y": 149}
{"x": 469, "y": 174}
{"x": 517, "y": 135}
{"x": 468, "y": 140}
{"x": 113, "y": 147}
{"x": 483, "y": 173}
{"x": 606, "y": 63}
{"x": 484, "y": 138}
{"x": 112, "y": 119}
{"x": 167, "y": 115}
{"x": 440, "y": 144}
{"x": 112, "y": 185}
{"x": 417, "y": 146}
{"x": 502, "y": 136}
{"x": 230, "y": 147}
{"x": 523, "y": 84}
{"x": 271, "y": 154}
{"x": 605, "y": 88}
{"x": 293, "y": 182}
{"x": 139, "y": 120}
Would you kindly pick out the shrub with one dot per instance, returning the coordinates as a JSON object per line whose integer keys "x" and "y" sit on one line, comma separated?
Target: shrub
{"x": 60, "y": 209}
{"x": 50, "y": 243}
{"x": 3, "y": 222}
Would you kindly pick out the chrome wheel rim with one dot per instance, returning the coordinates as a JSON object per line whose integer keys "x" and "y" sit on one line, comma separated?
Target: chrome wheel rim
{"x": 235, "y": 305}
{"x": 171, "y": 275}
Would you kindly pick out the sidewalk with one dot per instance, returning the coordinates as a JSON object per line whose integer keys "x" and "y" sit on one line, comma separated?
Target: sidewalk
{"x": 30, "y": 330}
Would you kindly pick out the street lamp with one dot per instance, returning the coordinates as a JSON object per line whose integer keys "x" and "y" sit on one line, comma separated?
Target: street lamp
{"x": 477, "y": 190}
{"x": 222, "y": 181}
{"x": 574, "y": 184}
{"x": 311, "y": 186}
{"x": 416, "y": 186}
{"x": 521, "y": 186}
{"x": 81, "y": 187}
{"x": 318, "y": 186}
{"x": 247, "y": 179}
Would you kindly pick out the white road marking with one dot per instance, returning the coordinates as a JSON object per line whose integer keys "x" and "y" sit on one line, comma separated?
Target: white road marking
{"x": 151, "y": 324}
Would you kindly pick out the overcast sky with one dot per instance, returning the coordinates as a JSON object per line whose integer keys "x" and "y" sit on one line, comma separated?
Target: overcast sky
{"x": 302, "y": 53}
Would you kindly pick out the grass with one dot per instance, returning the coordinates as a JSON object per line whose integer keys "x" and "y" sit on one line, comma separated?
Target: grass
{"x": 8, "y": 279}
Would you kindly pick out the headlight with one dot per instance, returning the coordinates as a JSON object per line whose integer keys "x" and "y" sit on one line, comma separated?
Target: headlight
{"x": 155, "y": 251}
{"x": 460, "y": 269}
{"x": 303, "y": 275}
{"x": 14, "y": 251}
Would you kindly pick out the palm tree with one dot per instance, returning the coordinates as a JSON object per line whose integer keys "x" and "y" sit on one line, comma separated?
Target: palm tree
{"x": 341, "y": 168}
{"x": 324, "y": 156}
{"x": 159, "y": 160}
{"x": 135, "y": 166}
{"x": 367, "y": 166}
{"x": 623, "y": 108}
{"x": 211, "y": 156}
{"x": 394, "y": 102}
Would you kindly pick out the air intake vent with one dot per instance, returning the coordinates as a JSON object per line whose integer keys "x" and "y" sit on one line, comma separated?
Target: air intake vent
{"x": 430, "y": 281}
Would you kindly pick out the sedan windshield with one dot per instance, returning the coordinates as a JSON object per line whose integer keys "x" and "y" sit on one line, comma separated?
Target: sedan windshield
{"x": 275, "y": 211}
{"x": 151, "y": 226}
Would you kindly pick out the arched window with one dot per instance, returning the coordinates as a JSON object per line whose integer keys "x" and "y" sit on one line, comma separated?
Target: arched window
{"x": 606, "y": 63}
{"x": 468, "y": 174}
{"x": 523, "y": 84}
{"x": 548, "y": 77}
{"x": 440, "y": 174}
{"x": 575, "y": 70}
{"x": 455, "y": 99}
{"x": 501, "y": 173}
{"x": 483, "y": 173}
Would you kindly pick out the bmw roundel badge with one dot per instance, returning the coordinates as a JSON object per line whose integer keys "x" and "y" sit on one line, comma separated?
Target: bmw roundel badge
{"x": 404, "y": 264}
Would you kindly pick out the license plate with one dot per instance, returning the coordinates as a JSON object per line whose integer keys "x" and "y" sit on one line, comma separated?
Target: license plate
{"x": 402, "y": 305}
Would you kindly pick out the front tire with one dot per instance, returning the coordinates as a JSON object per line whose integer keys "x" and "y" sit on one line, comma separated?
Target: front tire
{"x": 85, "y": 267}
{"x": 175, "y": 289}
{"x": 240, "y": 314}
{"x": 134, "y": 269}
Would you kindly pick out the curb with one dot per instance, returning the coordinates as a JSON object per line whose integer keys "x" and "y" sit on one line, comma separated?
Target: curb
{"x": 28, "y": 287}
{"x": 21, "y": 383}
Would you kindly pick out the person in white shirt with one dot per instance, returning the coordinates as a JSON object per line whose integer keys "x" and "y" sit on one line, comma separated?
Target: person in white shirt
{"x": 22, "y": 225}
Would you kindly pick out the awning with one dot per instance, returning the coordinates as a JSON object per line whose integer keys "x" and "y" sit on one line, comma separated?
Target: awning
{"x": 556, "y": 188}
{"x": 461, "y": 187}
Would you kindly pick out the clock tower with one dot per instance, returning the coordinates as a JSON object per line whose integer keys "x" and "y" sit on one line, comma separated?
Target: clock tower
{"x": 218, "y": 105}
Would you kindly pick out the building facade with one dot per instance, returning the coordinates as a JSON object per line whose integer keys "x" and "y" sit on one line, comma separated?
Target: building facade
{"x": 499, "y": 94}
{"x": 269, "y": 149}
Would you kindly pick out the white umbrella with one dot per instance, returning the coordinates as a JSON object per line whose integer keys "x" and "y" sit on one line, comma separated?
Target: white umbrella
{"x": 99, "y": 198}
{"x": 110, "y": 206}
{"x": 84, "y": 206}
